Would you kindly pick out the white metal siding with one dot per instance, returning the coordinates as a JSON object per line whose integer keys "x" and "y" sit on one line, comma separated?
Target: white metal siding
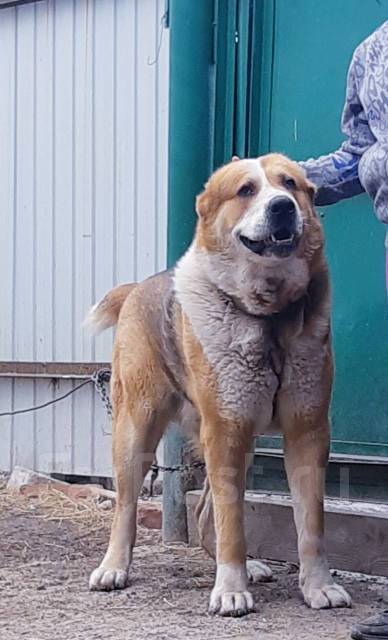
{"x": 72, "y": 436}
{"x": 83, "y": 183}
{"x": 83, "y": 157}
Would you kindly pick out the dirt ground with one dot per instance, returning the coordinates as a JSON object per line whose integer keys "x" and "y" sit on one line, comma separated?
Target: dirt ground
{"x": 49, "y": 547}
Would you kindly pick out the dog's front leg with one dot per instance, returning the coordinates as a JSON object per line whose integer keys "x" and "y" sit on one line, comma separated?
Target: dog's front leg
{"x": 306, "y": 448}
{"x": 225, "y": 447}
{"x": 257, "y": 570}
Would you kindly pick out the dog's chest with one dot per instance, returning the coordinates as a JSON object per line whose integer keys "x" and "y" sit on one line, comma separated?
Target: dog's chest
{"x": 239, "y": 350}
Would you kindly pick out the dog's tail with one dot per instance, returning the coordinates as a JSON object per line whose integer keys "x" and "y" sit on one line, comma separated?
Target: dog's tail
{"x": 106, "y": 313}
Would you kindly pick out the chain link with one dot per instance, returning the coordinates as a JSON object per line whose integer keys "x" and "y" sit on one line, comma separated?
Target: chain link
{"x": 197, "y": 464}
{"x": 101, "y": 379}
{"x": 180, "y": 468}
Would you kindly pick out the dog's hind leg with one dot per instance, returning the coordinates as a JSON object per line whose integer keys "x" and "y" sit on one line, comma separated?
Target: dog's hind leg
{"x": 257, "y": 570}
{"x": 204, "y": 515}
{"x": 137, "y": 428}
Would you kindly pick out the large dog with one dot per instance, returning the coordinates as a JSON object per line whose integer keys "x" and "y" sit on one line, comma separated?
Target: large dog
{"x": 233, "y": 343}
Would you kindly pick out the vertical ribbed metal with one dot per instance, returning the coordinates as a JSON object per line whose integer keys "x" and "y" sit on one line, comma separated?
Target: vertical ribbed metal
{"x": 83, "y": 200}
{"x": 83, "y": 131}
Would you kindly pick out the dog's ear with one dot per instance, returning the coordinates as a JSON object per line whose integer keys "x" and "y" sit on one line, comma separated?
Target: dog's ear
{"x": 310, "y": 187}
{"x": 311, "y": 190}
{"x": 234, "y": 158}
{"x": 202, "y": 205}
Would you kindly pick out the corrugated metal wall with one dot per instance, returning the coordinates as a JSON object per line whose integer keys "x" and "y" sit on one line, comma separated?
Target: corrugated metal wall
{"x": 72, "y": 436}
{"x": 83, "y": 180}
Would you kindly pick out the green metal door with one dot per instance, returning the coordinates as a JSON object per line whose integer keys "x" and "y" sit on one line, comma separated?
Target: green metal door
{"x": 310, "y": 50}
{"x": 280, "y": 86}
{"x": 274, "y": 79}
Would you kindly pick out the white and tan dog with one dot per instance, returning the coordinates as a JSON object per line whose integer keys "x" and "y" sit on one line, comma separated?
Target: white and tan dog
{"x": 232, "y": 343}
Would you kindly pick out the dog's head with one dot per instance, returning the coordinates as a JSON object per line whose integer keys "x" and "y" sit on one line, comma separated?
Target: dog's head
{"x": 258, "y": 214}
{"x": 263, "y": 205}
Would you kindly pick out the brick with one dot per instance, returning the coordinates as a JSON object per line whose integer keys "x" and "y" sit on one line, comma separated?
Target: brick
{"x": 21, "y": 477}
{"x": 149, "y": 514}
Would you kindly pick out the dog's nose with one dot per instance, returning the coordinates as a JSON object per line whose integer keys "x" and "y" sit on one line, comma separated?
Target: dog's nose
{"x": 282, "y": 206}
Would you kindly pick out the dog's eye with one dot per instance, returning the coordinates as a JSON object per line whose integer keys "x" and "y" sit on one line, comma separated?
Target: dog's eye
{"x": 246, "y": 191}
{"x": 289, "y": 183}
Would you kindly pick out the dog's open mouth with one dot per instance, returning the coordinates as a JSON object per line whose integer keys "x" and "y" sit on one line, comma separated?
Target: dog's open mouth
{"x": 280, "y": 243}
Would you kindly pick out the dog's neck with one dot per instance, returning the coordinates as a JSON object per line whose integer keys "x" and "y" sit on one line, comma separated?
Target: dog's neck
{"x": 259, "y": 290}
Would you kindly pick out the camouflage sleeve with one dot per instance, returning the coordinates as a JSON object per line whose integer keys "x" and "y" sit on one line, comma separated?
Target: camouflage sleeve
{"x": 336, "y": 174}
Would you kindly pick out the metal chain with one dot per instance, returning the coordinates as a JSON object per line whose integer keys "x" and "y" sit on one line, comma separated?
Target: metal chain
{"x": 197, "y": 464}
{"x": 100, "y": 379}
{"x": 180, "y": 468}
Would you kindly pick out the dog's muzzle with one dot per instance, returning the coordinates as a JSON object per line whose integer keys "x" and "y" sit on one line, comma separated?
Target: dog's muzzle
{"x": 283, "y": 237}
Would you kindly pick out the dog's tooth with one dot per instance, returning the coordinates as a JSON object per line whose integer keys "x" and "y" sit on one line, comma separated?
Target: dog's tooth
{"x": 285, "y": 241}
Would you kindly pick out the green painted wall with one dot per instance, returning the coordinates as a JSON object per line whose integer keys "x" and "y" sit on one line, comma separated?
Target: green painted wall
{"x": 190, "y": 116}
{"x": 278, "y": 83}
{"x": 312, "y": 46}
{"x": 190, "y": 162}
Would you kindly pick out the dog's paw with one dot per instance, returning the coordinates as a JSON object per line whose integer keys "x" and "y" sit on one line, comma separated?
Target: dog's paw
{"x": 106, "y": 579}
{"x": 230, "y": 596}
{"x": 231, "y": 603}
{"x": 258, "y": 571}
{"x": 328, "y": 596}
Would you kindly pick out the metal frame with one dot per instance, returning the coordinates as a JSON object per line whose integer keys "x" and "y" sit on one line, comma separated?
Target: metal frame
{"x": 225, "y": 57}
{"x": 244, "y": 49}
{"x": 50, "y": 369}
{"x": 348, "y": 476}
